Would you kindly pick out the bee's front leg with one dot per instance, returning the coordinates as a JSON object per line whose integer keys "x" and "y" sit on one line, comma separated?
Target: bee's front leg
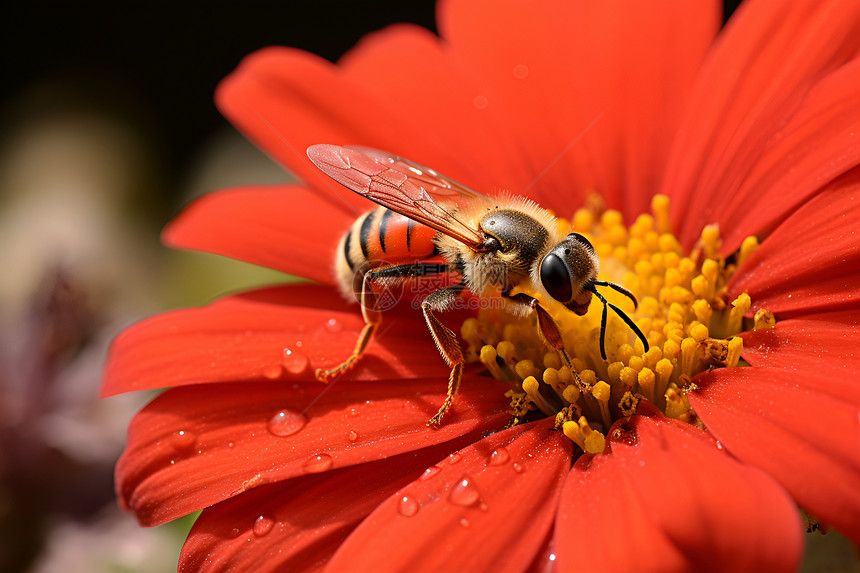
{"x": 547, "y": 329}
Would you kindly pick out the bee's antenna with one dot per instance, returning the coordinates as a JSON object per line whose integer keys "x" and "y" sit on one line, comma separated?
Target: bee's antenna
{"x": 591, "y": 286}
{"x": 619, "y": 288}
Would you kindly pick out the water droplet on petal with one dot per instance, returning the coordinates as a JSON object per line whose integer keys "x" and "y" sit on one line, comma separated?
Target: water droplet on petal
{"x": 273, "y": 371}
{"x": 408, "y": 506}
{"x": 454, "y": 458}
{"x": 518, "y": 468}
{"x": 234, "y": 532}
{"x": 353, "y": 412}
{"x": 719, "y": 445}
{"x": 294, "y": 361}
{"x": 182, "y": 441}
{"x": 317, "y": 464}
{"x": 333, "y": 325}
{"x": 484, "y": 506}
{"x": 464, "y": 492}
{"x": 286, "y": 422}
{"x": 521, "y": 71}
{"x": 464, "y": 522}
{"x": 263, "y": 525}
{"x": 352, "y": 435}
{"x": 430, "y": 472}
{"x": 500, "y": 456}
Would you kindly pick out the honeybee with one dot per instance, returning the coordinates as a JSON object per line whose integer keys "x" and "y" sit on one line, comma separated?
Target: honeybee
{"x": 489, "y": 246}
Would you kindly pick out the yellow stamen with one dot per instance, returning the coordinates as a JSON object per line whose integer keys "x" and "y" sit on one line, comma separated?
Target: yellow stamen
{"x": 684, "y": 312}
{"x": 660, "y": 207}
{"x": 677, "y": 404}
{"x": 647, "y": 382}
{"x": 748, "y": 247}
{"x": 710, "y": 240}
{"x": 572, "y": 393}
{"x": 591, "y": 441}
{"x": 525, "y": 369}
{"x": 764, "y": 319}
{"x": 488, "y": 359}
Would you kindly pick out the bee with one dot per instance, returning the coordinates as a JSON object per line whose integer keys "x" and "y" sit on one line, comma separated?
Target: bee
{"x": 488, "y": 246}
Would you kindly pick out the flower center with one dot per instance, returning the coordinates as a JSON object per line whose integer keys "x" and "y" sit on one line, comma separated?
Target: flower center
{"x": 684, "y": 312}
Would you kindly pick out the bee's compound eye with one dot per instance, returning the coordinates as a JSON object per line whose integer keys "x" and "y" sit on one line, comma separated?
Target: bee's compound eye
{"x": 556, "y": 278}
{"x": 582, "y": 240}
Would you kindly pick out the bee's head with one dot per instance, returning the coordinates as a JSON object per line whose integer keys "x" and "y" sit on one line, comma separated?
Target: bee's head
{"x": 568, "y": 269}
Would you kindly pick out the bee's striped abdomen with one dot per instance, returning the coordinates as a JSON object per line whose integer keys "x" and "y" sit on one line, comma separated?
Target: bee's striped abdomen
{"x": 382, "y": 237}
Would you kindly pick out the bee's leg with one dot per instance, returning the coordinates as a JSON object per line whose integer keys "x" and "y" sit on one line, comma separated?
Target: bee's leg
{"x": 446, "y": 342}
{"x": 393, "y": 275}
{"x": 372, "y": 319}
{"x": 547, "y": 328}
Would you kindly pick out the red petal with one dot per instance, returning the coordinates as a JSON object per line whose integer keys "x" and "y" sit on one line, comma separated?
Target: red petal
{"x": 411, "y": 70}
{"x": 613, "y": 73}
{"x": 665, "y": 498}
{"x": 285, "y": 227}
{"x": 762, "y": 67}
{"x": 245, "y": 336}
{"x": 286, "y": 100}
{"x": 468, "y": 513}
{"x": 195, "y": 446}
{"x": 824, "y": 344}
{"x": 788, "y": 424}
{"x": 818, "y": 144}
{"x": 811, "y": 262}
{"x": 297, "y": 525}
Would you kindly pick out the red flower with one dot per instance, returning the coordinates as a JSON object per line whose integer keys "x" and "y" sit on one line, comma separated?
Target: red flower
{"x": 754, "y": 129}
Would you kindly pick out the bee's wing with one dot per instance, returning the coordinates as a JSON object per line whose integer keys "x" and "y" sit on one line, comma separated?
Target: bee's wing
{"x": 400, "y": 185}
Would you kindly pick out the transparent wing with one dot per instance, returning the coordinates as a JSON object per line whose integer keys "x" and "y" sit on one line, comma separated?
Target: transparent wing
{"x": 401, "y": 185}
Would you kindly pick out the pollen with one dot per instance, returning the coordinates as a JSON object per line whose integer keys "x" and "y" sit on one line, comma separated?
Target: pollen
{"x": 684, "y": 311}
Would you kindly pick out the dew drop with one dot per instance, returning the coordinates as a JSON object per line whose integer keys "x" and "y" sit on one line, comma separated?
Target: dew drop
{"x": 454, "y": 458}
{"x": 430, "y": 472}
{"x": 273, "y": 371}
{"x": 235, "y": 532}
{"x": 484, "y": 506}
{"x": 464, "y": 492}
{"x": 518, "y": 468}
{"x": 521, "y": 71}
{"x": 182, "y": 440}
{"x": 317, "y": 464}
{"x": 294, "y": 361}
{"x": 499, "y": 457}
{"x": 286, "y": 422}
{"x": 354, "y": 413}
{"x": 464, "y": 522}
{"x": 333, "y": 325}
{"x": 408, "y": 506}
{"x": 352, "y": 435}
{"x": 719, "y": 445}
{"x": 263, "y": 525}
